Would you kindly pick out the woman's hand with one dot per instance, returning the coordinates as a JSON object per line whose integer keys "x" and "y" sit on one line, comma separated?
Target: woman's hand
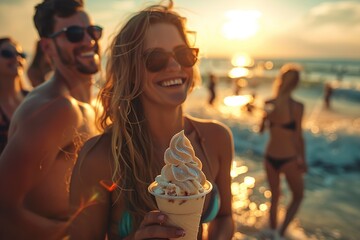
{"x": 154, "y": 226}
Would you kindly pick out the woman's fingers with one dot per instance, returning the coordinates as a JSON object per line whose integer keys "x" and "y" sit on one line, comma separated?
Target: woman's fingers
{"x": 153, "y": 217}
{"x": 154, "y": 226}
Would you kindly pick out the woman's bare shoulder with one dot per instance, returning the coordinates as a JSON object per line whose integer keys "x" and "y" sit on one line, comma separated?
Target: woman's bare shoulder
{"x": 299, "y": 105}
{"x": 95, "y": 156}
{"x": 97, "y": 143}
{"x": 210, "y": 128}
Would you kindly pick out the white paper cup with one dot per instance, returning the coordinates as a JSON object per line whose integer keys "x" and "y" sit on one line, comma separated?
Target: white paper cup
{"x": 182, "y": 211}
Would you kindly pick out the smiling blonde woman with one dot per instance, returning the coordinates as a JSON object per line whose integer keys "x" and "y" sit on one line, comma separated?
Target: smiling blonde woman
{"x": 149, "y": 76}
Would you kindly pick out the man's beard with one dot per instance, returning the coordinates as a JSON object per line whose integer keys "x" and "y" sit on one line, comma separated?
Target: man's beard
{"x": 89, "y": 69}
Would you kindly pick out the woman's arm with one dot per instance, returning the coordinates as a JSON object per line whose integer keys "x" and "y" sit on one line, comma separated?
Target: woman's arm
{"x": 268, "y": 105}
{"x": 222, "y": 227}
{"x": 262, "y": 125}
{"x": 90, "y": 198}
{"x": 300, "y": 144}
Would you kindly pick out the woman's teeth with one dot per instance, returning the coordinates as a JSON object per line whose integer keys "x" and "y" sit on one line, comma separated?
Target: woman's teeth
{"x": 171, "y": 82}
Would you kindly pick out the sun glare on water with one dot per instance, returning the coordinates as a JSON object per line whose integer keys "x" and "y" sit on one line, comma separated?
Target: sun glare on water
{"x": 242, "y": 60}
{"x": 238, "y": 72}
{"x": 241, "y": 63}
{"x": 238, "y": 100}
{"x": 241, "y": 24}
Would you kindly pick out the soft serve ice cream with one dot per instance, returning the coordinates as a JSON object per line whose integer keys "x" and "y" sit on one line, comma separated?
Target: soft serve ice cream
{"x": 181, "y": 187}
{"x": 181, "y": 175}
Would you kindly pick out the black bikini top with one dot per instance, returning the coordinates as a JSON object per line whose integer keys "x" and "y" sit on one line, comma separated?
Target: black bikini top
{"x": 291, "y": 125}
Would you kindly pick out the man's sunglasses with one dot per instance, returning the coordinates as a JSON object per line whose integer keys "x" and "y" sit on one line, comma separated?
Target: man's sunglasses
{"x": 76, "y": 34}
{"x": 5, "y": 53}
{"x": 157, "y": 59}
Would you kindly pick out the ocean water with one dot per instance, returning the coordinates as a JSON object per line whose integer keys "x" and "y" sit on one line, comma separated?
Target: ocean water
{"x": 331, "y": 207}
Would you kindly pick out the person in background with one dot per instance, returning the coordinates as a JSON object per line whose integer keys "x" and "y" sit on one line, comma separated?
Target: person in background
{"x": 328, "y": 91}
{"x": 285, "y": 151}
{"x": 211, "y": 87}
{"x": 49, "y": 126}
{"x": 12, "y": 91}
{"x": 150, "y": 72}
{"x": 250, "y": 106}
{"x": 40, "y": 67}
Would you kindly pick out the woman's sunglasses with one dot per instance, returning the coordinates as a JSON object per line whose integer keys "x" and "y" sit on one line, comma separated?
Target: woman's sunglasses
{"x": 76, "y": 34}
{"x": 5, "y": 53}
{"x": 157, "y": 59}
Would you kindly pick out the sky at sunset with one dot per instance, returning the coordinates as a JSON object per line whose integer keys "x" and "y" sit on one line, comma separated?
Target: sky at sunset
{"x": 261, "y": 28}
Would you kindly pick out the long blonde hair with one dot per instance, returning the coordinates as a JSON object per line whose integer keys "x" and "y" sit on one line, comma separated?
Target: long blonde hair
{"x": 123, "y": 114}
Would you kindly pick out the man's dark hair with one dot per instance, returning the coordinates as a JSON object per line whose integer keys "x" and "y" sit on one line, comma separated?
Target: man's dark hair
{"x": 4, "y": 40}
{"x": 46, "y": 11}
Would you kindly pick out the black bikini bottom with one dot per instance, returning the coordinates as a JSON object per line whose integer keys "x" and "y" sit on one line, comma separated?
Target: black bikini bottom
{"x": 277, "y": 163}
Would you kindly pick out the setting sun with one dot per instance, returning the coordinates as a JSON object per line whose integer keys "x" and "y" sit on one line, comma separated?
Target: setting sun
{"x": 241, "y": 24}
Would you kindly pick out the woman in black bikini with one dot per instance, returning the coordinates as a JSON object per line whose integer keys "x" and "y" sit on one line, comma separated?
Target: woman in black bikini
{"x": 12, "y": 92}
{"x": 285, "y": 152}
{"x": 151, "y": 71}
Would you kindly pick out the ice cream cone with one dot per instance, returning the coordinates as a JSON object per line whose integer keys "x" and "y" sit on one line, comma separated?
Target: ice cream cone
{"x": 183, "y": 211}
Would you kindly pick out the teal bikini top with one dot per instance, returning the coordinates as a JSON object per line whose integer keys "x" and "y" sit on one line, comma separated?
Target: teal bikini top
{"x": 125, "y": 224}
